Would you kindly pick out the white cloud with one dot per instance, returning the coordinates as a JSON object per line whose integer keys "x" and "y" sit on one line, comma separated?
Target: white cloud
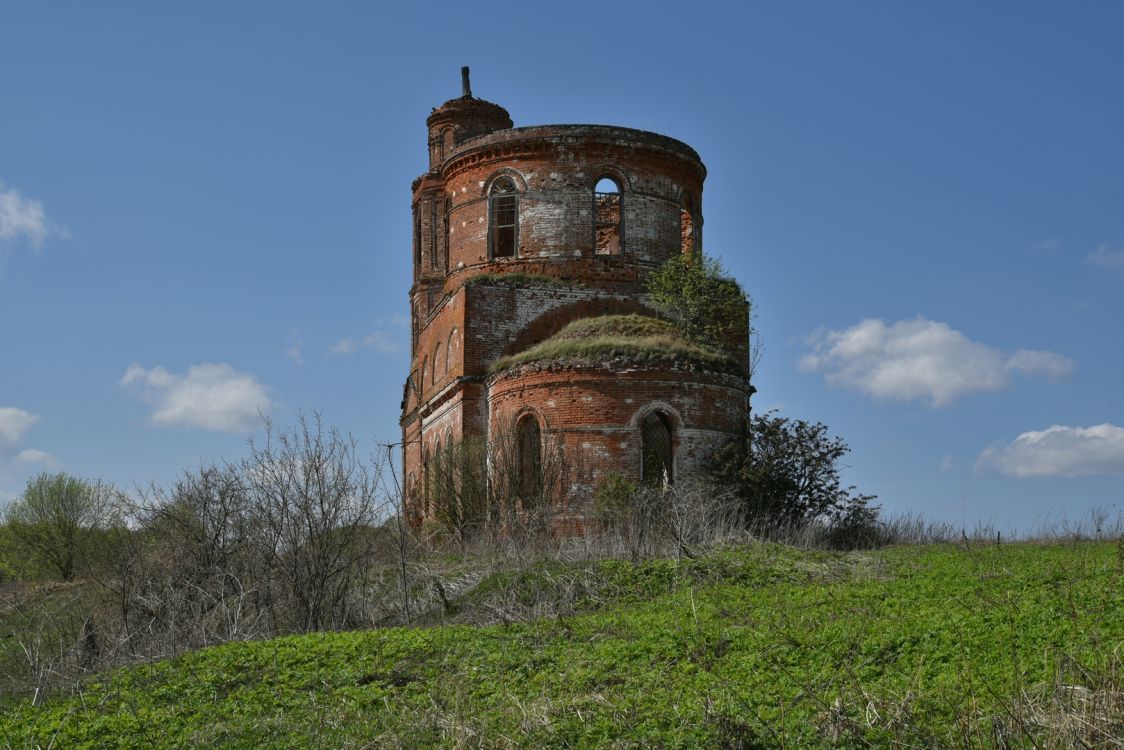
{"x": 1107, "y": 258}
{"x": 35, "y": 456}
{"x": 920, "y": 359}
{"x": 14, "y": 422}
{"x": 21, "y": 216}
{"x": 1053, "y": 367}
{"x": 946, "y": 463}
{"x": 1059, "y": 451}
{"x": 296, "y": 346}
{"x": 208, "y": 396}
{"x": 379, "y": 341}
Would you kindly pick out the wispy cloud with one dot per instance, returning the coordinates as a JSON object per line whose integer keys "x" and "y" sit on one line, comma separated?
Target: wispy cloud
{"x": 946, "y": 463}
{"x": 380, "y": 340}
{"x": 295, "y": 348}
{"x": 22, "y": 217}
{"x": 33, "y": 456}
{"x": 1107, "y": 258}
{"x": 208, "y": 396}
{"x": 14, "y": 423}
{"x": 1058, "y": 451}
{"x": 921, "y": 359}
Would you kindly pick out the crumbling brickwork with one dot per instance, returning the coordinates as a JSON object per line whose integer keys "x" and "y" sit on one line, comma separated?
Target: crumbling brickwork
{"x": 513, "y": 241}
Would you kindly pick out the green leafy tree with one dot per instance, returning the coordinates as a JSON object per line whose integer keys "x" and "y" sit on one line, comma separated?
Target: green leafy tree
{"x": 695, "y": 291}
{"x": 787, "y": 471}
{"x": 56, "y": 518}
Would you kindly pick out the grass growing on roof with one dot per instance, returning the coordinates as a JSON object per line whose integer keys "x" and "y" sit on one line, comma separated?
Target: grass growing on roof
{"x": 637, "y": 338}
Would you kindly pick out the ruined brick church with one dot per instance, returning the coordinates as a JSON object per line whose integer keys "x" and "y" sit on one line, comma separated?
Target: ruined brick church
{"x": 526, "y": 240}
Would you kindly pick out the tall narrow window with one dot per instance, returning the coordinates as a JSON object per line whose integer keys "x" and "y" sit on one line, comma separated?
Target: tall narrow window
{"x": 529, "y": 449}
{"x": 417, "y": 241}
{"x": 438, "y": 363}
{"x": 607, "y": 217}
{"x": 687, "y": 230}
{"x": 433, "y": 233}
{"x": 426, "y": 481}
{"x": 437, "y": 477}
{"x": 434, "y": 294}
{"x": 656, "y": 449}
{"x": 448, "y": 222}
{"x": 503, "y": 218}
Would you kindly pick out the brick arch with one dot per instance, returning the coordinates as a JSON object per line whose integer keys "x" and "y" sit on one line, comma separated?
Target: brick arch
{"x": 516, "y": 175}
{"x": 611, "y": 171}
{"x": 529, "y": 410}
{"x": 661, "y": 406}
{"x": 550, "y": 323}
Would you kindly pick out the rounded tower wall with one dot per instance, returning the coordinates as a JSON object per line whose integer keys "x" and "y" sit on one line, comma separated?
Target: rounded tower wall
{"x": 554, "y": 170}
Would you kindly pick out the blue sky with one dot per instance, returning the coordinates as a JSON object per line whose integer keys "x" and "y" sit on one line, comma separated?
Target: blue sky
{"x": 204, "y": 215}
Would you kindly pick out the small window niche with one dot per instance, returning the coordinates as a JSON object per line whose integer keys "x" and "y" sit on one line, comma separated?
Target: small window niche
{"x": 503, "y": 218}
{"x": 607, "y": 239}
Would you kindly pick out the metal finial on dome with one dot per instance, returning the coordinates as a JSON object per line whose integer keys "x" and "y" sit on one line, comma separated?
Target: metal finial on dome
{"x": 465, "y": 87}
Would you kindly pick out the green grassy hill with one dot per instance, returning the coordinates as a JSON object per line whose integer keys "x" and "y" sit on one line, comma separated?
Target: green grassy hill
{"x": 757, "y": 646}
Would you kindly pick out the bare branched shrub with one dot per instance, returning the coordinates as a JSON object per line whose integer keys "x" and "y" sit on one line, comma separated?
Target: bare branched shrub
{"x": 314, "y": 503}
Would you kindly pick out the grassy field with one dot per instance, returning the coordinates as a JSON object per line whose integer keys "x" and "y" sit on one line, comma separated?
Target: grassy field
{"x": 755, "y": 646}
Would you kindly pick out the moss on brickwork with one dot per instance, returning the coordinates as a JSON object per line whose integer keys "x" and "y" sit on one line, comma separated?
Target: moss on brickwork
{"x": 635, "y": 339}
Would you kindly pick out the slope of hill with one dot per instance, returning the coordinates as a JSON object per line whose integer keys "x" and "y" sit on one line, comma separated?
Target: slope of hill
{"x": 755, "y": 646}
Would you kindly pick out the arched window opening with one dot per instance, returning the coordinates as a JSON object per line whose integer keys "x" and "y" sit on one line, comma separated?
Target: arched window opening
{"x": 656, "y": 449}
{"x": 438, "y": 478}
{"x": 607, "y": 217}
{"x": 503, "y": 218}
{"x": 449, "y": 361}
{"x": 433, "y": 234}
{"x": 688, "y": 231}
{"x": 529, "y": 450}
{"x": 447, "y": 141}
{"x": 417, "y": 240}
{"x": 426, "y": 482}
{"x": 437, "y": 362}
{"x": 448, "y": 223}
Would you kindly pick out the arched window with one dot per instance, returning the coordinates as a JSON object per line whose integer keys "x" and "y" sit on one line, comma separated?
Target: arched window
{"x": 529, "y": 450}
{"x": 433, "y": 233}
{"x": 448, "y": 224}
{"x": 437, "y": 478}
{"x": 607, "y": 239}
{"x": 417, "y": 240}
{"x": 426, "y": 481}
{"x": 438, "y": 363}
{"x": 688, "y": 231}
{"x": 503, "y": 218}
{"x": 656, "y": 449}
{"x": 449, "y": 361}
{"x": 447, "y": 141}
